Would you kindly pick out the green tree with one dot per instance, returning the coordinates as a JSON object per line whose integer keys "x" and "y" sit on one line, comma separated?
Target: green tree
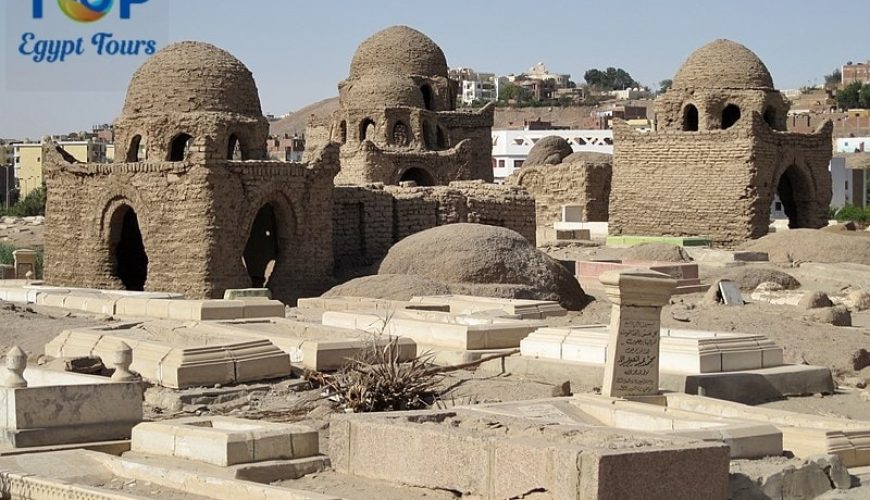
{"x": 610, "y": 79}
{"x": 33, "y": 204}
{"x": 512, "y": 92}
{"x": 854, "y": 95}
{"x": 664, "y": 85}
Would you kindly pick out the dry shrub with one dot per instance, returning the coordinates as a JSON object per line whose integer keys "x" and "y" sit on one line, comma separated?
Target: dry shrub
{"x": 375, "y": 380}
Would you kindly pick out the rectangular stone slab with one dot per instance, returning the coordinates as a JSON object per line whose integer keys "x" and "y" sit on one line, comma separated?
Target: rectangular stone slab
{"x": 224, "y": 441}
{"x": 443, "y": 330}
{"x": 62, "y": 408}
{"x": 518, "y": 308}
{"x": 680, "y": 351}
{"x": 312, "y": 345}
{"x": 178, "y": 355}
{"x": 493, "y": 456}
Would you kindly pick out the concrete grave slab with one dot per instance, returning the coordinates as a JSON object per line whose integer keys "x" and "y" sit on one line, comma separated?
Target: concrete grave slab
{"x": 87, "y": 474}
{"x": 224, "y": 441}
{"x": 437, "y": 329}
{"x": 311, "y": 345}
{"x": 56, "y": 408}
{"x": 686, "y": 273}
{"x": 513, "y": 308}
{"x": 178, "y": 355}
{"x": 680, "y": 350}
{"x": 744, "y": 439}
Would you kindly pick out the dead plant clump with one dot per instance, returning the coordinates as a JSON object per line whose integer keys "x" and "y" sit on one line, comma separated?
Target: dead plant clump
{"x": 375, "y": 380}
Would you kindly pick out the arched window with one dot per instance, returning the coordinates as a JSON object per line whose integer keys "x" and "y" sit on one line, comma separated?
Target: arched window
{"x": 427, "y": 135}
{"x": 366, "y": 128}
{"x": 690, "y": 118}
{"x": 133, "y": 150}
{"x": 730, "y": 115}
{"x": 342, "y": 132}
{"x": 401, "y": 134}
{"x": 179, "y": 148}
{"x": 427, "y": 96}
{"x": 770, "y": 116}
{"x": 234, "y": 149}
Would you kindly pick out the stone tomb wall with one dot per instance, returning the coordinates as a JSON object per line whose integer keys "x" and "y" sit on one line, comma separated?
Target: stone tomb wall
{"x": 716, "y": 183}
{"x": 195, "y": 220}
{"x": 580, "y": 183}
{"x": 368, "y": 220}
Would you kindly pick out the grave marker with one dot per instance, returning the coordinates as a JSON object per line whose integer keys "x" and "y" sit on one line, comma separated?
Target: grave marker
{"x": 632, "y": 366}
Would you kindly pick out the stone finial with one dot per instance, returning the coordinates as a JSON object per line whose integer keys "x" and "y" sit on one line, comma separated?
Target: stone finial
{"x": 16, "y": 362}
{"x": 122, "y": 358}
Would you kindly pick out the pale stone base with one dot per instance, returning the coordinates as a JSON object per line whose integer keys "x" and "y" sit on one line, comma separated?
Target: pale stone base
{"x": 62, "y": 408}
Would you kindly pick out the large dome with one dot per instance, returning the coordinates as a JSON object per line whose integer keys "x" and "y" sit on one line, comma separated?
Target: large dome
{"x": 723, "y": 64}
{"x": 192, "y": 76}
{"x": 401, "y": 50}
{"x": 378, "y": 90}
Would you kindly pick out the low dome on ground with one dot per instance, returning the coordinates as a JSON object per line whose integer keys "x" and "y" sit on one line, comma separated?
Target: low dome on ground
{"x": 478, "y": 259}
{"x": 388, "y": 286}
{"x": 813, "y": 245}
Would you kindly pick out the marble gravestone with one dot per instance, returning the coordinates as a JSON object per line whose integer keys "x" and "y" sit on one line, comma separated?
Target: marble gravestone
{"x": 632, "y": 365}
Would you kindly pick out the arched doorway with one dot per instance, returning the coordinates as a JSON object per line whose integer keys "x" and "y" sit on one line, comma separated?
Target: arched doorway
{"x": 690, "y": 118}
{"x": 179, "y": 147}
{"x": 130, "y": 261}
{"x": 770, "y": 117}
{"x": 419, "y": 176}
{"x": 794, "y": 192}
{"x": 261, "y": 250}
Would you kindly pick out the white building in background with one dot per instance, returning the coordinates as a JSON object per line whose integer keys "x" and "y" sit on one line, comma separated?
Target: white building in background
{"x": 511, "y": 147}
{"x": 853, "y": 144}
{"x": 476, "y": 86}
{"x": 483, "y": 88}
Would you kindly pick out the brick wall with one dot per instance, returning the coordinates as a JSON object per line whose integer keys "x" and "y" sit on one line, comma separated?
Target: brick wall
{"x": 368, "y": 220}
{"x": 574, "y": 183}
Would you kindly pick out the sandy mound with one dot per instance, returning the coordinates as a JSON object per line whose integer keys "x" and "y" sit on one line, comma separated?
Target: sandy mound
{"x": 388, "y": 286}
{"x": 749, "y": 277}
{"x": 484, "y": 260}
{"x": 659, "y": 252}
{"x": 548, "y": 151}
{"x": 810, "y": 245}
{"x": 589, "y": 157}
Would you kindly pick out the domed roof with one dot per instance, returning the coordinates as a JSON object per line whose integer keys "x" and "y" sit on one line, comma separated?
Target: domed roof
{"x": 383, "y": 90}
{"x": 193, "y": 76}
{"x": 401, "y": 50}
{"x": 723, "y": 64}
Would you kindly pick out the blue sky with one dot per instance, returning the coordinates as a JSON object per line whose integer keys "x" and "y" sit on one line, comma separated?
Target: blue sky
{"x": 298, "y": 51}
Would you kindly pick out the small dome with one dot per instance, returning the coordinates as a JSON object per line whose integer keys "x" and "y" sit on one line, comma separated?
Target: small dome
{"x": 383, "y": 90}
{"x": 723, "y": 64}
{"x": 401, "y": 50}
{"x": 189, "y": 77}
